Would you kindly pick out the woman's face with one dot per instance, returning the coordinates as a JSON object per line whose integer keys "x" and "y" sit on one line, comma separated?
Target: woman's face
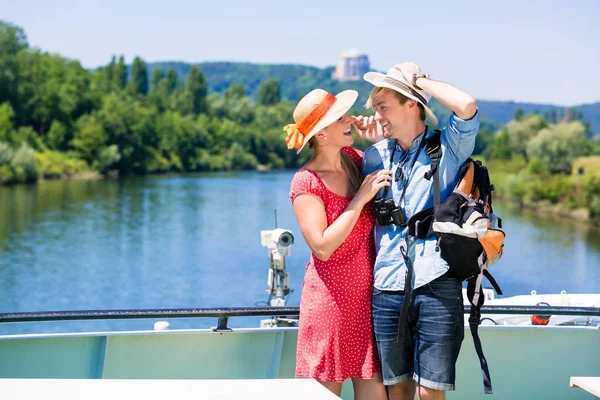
{"x": 339, "y": 133}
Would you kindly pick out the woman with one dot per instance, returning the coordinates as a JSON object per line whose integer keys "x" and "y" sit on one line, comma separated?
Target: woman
{"x": 331, "y": 202}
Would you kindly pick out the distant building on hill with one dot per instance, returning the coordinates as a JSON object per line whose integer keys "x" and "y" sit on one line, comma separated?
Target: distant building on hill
{"x": 352, "y": 66}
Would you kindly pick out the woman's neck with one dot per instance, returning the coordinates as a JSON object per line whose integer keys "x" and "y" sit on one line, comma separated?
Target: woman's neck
{"x": 327, "y": 158}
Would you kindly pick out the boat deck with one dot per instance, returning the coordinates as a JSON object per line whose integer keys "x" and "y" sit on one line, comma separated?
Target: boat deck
{"x": 525, "y": 362}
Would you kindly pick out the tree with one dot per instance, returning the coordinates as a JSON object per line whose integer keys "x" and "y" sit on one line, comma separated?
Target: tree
{"x": 139, "y": 77}
{"x": 12, "y": 41}
{"x": 484, "y": 141}
{"x": 269, "y": 93}
{"x": 194, "y": 95}
{"x": 520, "y": 132}
{"x": 559, "y": 145}
{"x": 171, "y": 80}
{"x": 157, "y": 76}
{"x": 90, "y": 137}
{"x": 119, "y": 77}
{"x": 518, "y": 114}
{"x": 501, "y": 149}
{"x": 23, "y": 163}
{"x": 57, "y": 136}
{"x": 235, "y": 91}
{"x": 7, "y": 124}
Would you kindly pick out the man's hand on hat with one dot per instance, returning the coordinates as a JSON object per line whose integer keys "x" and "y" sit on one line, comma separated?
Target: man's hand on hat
{"x": 408, "y": 69}
{"x": 368, "y": 128}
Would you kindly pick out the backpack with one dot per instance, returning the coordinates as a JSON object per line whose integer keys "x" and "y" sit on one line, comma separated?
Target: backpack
{"x": 467, "y": 233}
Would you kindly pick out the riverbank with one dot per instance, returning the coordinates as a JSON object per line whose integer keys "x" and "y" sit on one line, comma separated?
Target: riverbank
{"x": 545, "y": 208}
{"x": 575, "y": 196}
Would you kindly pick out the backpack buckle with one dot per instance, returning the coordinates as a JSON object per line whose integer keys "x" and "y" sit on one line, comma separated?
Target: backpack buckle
{"x": 475, "y": 317}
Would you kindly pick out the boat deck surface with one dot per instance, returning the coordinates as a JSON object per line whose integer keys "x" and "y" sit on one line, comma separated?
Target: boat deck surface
{"x": 160, "y": 389}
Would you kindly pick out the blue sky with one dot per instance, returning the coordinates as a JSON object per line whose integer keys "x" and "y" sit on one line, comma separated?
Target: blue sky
{"x": 531, "y": 51}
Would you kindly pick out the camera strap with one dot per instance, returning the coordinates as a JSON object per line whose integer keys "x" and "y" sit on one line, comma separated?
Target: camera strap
{"x": 421, "y": 146}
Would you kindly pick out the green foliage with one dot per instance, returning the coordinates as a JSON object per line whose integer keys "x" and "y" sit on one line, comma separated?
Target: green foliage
{"x": 551, "y": 188}
{"x": 7, "y": 127}
{"x": 269, "y": 93}
{"x": 119, "y": 77}
{"x": 521, "y": 131}
{"x": 559, "y": 145}
{"x": 501, "y": 148}
{"x": 6, "y": 174}
{"x": 89, "y": 137}
{"x": 58, "y": 136}
{"x": 157, "y": 76}
{"x": 485, "y": 140}
{"x": 23, "y": 164}
{"x": 53, "y": 164}
{"x": 518, "y": 114}
{"x": 595, "y": 207}
{"x": 58, "y": 119}
{"x": 12, "y": 41}
{"x": 107, "y": 158}
{"x": 171, "y": 80}
{"x": 194, "y": 95}
{"x": 237, "y": 158}
{"x": 235, "y": 91}
{"x": 6, "y": 153}
{"x": 27, "y": 135}
{"x": 537, "y": 166}
{"x": 139, "y": 77}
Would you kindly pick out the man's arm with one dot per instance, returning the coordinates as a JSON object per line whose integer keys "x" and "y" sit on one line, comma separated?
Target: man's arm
{"x": 459, "y": 102}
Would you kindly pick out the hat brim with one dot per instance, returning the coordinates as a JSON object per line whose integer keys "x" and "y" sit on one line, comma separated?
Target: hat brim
{"x": 378, "y": 79}
{"x": 344, "y": 101}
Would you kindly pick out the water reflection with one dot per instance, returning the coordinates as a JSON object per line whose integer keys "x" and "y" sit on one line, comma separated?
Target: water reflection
{"x": 194, "y": 241}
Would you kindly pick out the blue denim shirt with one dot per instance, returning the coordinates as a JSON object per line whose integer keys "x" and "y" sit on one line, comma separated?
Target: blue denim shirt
{"x": 458, "y": 142}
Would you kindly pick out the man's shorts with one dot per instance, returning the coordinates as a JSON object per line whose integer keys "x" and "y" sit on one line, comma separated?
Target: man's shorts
{"x": 433, "y": 336}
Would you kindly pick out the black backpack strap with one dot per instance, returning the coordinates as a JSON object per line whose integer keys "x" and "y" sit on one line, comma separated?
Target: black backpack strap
{"x": 433, "y": 148}
{"x": 434, "y": 151}
{"x": 402, "y": 323}
{"x": 474, "y": 321}
{"x": 492, "y": 281}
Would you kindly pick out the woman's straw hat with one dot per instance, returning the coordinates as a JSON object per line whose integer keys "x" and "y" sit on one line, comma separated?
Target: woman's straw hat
{"x": 315, "y": 111}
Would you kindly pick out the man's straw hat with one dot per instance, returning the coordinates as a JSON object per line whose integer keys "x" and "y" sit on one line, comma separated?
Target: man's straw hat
{"x": 395, "y": 81}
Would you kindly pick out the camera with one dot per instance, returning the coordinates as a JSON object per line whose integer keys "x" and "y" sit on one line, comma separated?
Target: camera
{"x": 387, "y": 213}
{"x": 278, "y": 242}
{"x": 279, "y": 238}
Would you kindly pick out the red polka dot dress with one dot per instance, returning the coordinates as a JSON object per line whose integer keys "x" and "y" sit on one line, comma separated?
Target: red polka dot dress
{"x": 335, "y": 334}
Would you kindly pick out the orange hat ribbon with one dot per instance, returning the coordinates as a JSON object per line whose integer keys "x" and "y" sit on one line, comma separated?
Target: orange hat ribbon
{"x": 295, "y": 137}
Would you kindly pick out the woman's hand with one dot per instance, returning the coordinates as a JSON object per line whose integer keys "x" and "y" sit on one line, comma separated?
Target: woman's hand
{"x": 368, "y": 128}
{"x": 372, "y": 184}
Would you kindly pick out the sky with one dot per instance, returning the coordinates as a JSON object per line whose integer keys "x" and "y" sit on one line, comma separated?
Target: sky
{"x": 526, "y": 51}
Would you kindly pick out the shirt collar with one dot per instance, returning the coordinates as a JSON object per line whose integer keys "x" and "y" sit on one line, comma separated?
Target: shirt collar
{"x": 415, "y": 145}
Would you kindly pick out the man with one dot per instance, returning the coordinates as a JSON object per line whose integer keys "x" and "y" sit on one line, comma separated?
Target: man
{"x": 423, "y": 355}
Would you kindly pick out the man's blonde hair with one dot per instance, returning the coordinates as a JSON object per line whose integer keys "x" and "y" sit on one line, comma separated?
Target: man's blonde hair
{"x": 377, "y": 92}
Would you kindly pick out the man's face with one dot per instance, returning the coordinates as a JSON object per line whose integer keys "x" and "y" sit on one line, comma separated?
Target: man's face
{"x": 392, "y": 115}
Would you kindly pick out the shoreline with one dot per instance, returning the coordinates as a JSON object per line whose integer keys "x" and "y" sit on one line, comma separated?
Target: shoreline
{"x": 556, "y": 210}
{"x": 540, "y": 208}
